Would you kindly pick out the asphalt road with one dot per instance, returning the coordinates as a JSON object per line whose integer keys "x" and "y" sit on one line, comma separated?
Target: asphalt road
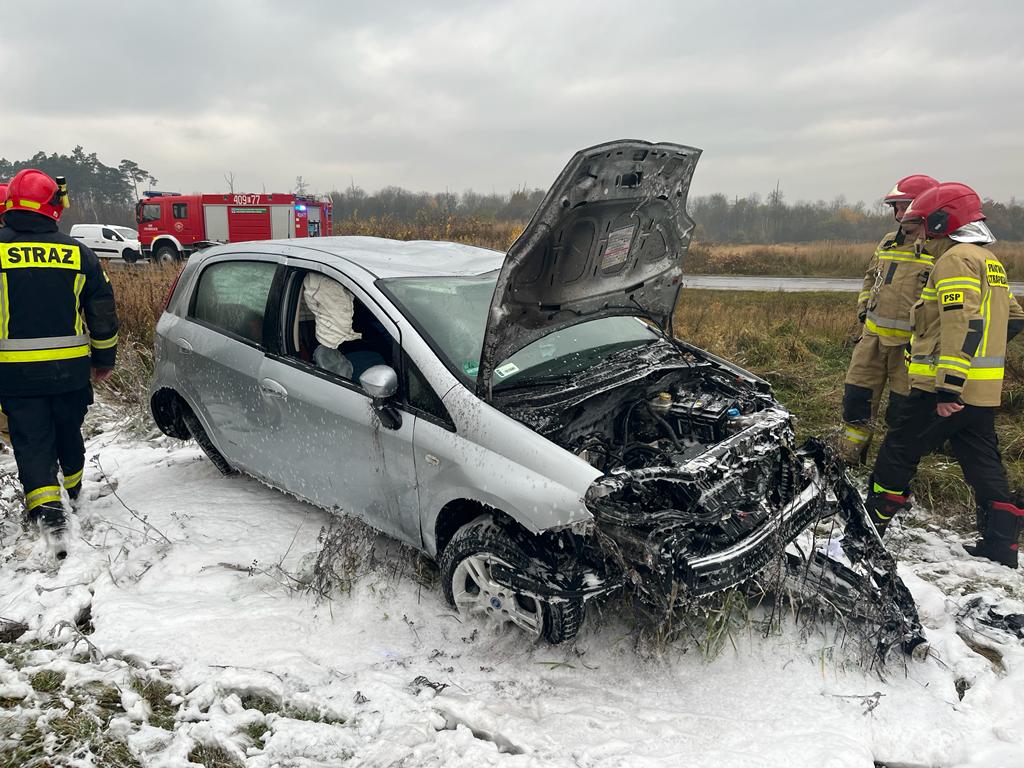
{"x": 785, "y": 284}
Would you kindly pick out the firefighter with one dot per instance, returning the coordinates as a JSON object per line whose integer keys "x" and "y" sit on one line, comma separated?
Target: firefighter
{"x": 5, "y": 436}
{"x": 895, "y": 276}
{"x": 48, "y": 281}
{"x": 962, "y": 323}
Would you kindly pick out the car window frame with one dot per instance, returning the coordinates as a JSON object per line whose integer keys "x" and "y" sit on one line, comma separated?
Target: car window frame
{"x": 236, "y": 257}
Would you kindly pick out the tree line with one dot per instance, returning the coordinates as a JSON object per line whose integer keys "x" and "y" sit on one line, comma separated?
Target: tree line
{"x": 99, "y": 193}
{"x": 107, "y": 194}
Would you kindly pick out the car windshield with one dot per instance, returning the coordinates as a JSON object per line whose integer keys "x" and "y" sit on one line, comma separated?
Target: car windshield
{"x": 127, "y": 233}
{"x": 452, "y": 313}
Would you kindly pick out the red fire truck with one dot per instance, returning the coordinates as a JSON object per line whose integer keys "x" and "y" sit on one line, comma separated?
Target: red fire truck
{"x": 173, "y": 226}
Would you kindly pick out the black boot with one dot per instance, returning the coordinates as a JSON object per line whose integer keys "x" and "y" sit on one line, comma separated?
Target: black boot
{"x": 998, "y": 540}
{"x": 883, "y": 505}
{"x": 52, "y": 525}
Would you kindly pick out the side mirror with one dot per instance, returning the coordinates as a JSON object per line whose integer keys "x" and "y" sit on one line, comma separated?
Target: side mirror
{"x": 379, "y": 381}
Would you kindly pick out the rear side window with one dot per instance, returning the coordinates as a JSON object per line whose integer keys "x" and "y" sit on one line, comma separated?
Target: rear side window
{"x": 151, "y": 212}
{"x": 180, "y": 210}
{"x": 232, "y": 296}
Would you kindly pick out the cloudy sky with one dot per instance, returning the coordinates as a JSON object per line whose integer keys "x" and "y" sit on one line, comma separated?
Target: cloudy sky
{"x": 823, "y": 98}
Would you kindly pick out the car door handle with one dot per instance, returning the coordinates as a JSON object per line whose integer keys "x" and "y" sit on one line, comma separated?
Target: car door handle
{"x": 271, "y": 388}
{"x": 184, "y": 346}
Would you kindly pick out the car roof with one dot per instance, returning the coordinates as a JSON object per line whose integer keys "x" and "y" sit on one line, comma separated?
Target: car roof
{"x": 384, "y": 258}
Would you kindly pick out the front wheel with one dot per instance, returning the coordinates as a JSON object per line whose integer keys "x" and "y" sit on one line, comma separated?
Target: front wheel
{"x": 130, "y": 255}
{"x": 468, "y": 585}
{"x": 166, "y": 254}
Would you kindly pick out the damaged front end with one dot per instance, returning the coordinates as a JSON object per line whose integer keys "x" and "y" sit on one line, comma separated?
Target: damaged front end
{"x": 704, "y": 487}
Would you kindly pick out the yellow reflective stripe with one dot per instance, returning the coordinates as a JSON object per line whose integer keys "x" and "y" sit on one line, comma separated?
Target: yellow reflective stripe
{"x": 41, "y": 355}
{"x": 43, "y": 495}
{"x": 875, "y": 328}
{"x": 5, "y": 306}
{"x": 79, "y": 285}
{"x": 854, "y": 437}
{"x": 929, "y": 294}
{"x": 863, "y": 295}
{"x": 910, "y": 258}
{"x": 986, "y": 309}
{"x": 104, "y": 343}
{"x": 880, "y": 489}
{"x": 921, "y": 369}
{"x": 985, "y": 374}
{"x": 959, "y": 287}
{"x": 956, "y": 281}
{"x": 26, "y": 204}
{"x": 70, "y": 481}
{"x": 954, "y": 361}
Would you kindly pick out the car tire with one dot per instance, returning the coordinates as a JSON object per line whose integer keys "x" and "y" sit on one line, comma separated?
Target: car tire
{"x": 199, "y": 435}
{"x": 166, "y": 254}
{"x": 463, "y": 566}
{"x": 129, "y": 255}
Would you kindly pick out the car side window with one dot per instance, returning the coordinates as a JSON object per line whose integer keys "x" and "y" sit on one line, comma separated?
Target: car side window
{"x": 232, "y": 296}
{"x": 420, "y": 395}
{"x": 109, "y": 234}
{"x": 151, "y": 212}
{"x": 180, "y": 210}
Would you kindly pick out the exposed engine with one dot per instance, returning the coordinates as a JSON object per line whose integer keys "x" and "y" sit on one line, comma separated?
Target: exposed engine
{"x": 703, "y": 483}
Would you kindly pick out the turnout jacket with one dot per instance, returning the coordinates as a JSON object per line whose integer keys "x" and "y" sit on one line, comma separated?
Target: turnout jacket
{"x": 48, "y": 281}
{"x": 962, "y": 323}
{"x": 895, "y": 276}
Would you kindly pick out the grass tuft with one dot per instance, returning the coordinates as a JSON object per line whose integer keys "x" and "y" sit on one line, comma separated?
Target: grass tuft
{"x": 47, "y": 681}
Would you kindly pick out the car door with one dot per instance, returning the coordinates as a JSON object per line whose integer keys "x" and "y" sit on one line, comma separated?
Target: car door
{"x": 218, "y": 347}
{"x": 326, "y": 441}
{"x": 108, "y": 244}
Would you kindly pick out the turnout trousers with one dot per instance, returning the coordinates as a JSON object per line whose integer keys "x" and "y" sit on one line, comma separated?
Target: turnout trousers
{"x": 918, "y": 430}
{"x": 872, "y": 366}
{"x": 46, "y": 434}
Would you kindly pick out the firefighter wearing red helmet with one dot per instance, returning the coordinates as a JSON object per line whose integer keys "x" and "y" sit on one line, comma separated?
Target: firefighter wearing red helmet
{"x": 57, "y": 322}
{"x": 893, "y": 281}
{"x": 962, "y": 323}
{"x": 5, "y": 436}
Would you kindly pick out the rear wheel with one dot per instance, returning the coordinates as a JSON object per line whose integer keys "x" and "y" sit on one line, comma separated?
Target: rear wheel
{"x": 199, "y": 435}
{"x": 466, "y": 565}
{"x": 166, "y": 254}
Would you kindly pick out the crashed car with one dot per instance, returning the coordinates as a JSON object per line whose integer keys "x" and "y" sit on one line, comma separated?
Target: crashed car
{"x": 527, "y": 419}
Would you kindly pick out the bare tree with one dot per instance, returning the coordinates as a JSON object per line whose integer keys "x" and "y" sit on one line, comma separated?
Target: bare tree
{"x": 301, "y": 187}
{"x": 229, "y": 177}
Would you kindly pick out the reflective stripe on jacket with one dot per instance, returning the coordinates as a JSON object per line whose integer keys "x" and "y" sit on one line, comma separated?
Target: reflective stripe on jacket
{"x": 57, "y": 314}
{"x": 893, "y": 282}
{"x": 960, "y": 324}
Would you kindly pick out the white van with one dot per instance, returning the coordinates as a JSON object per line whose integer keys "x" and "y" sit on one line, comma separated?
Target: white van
{"x": 109, "y": 241}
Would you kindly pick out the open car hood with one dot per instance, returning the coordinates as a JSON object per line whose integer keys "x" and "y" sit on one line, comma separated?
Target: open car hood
{"x": 608, "y": 239}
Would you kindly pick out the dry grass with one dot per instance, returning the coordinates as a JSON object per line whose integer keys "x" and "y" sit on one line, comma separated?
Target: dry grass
{"x": 819, "y": 259}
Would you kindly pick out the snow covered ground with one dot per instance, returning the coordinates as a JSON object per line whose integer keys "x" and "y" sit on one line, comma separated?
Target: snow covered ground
{"x": 180, "y": 625}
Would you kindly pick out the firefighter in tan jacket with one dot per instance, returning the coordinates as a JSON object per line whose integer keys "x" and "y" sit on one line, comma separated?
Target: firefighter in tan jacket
{"x": 962, "y": 323}
{"x": 895, "y": 276}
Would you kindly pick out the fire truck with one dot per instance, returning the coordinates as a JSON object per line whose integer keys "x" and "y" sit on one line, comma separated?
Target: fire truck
{"x": 173, "y": 226}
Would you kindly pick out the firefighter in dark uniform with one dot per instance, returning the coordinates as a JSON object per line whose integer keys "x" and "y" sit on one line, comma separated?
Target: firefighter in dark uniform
{"x": 4, "y": 434}
{"x": 57, "y": 322}
{"x": 892, "y": 283}
{"x": 962, "y": 323}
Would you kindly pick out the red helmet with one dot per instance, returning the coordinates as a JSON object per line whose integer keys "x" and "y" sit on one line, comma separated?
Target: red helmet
{"x": 946, "y": 208}
{"x": 909, "y": 187}
{"x": 34, "y": 191}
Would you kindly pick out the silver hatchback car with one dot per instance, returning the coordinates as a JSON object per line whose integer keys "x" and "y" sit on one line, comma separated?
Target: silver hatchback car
{"x": 527, "y": 419}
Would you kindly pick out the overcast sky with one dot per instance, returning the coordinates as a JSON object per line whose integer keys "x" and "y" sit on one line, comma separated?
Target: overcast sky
{"x": 823, "y": 97}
